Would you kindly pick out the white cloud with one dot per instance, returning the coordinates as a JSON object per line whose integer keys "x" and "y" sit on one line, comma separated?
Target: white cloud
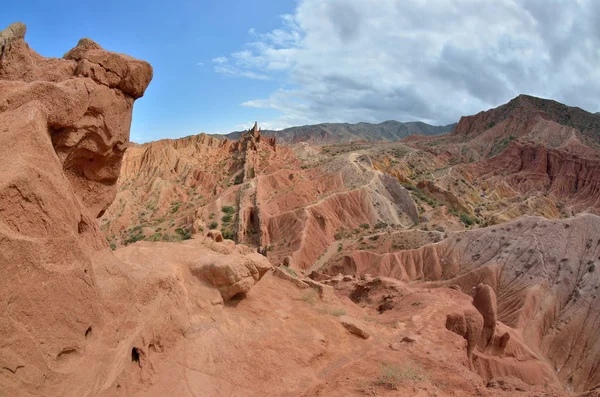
{"x": 367, "y": 60}
{"x": 227, "y": 70}
{"x": 220, "y": 60}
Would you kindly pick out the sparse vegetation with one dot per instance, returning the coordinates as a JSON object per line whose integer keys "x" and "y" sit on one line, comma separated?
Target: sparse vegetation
{"x": 309, "y": 297}
{"x": 185, "y": 234}
{"x": 380, "y": 225}
{"x": 227, "y": 233}
{"x": 468, "y": 220}
{"x": 394, "y": 374}
{"x": 228, "y": 209}
{"x": 290, "y": 271}
{"x": 365, "y": 226}
{"x": 213, "y": 225}
{"x": 500, "y": 146}
{"x": 337, "y": 312}
{"x": 420, "y": 195}
{"x": 155, "y": 237}
{"x": 227, "y": 218}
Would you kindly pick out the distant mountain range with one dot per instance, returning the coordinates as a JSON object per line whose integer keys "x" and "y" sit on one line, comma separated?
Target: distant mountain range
{"x": 330, "y": 133}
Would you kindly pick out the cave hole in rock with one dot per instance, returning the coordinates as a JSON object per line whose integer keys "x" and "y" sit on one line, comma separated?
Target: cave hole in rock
{"x": 135, "y": 355}
{"x": 88, "y": 332}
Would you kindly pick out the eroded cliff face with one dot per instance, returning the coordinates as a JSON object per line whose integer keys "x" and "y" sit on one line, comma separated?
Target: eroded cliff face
{"x": 64, "y": 125}
{"x": 572, "y": 177}
{"x": 543, "y": 272}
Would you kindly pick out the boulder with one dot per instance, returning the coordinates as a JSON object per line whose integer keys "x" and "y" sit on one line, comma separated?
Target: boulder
{"x": 354, "y": 326}
{"x": 285, "y": 275}
{"x": 215, "y": 235}
{"x": 232, "y": 275}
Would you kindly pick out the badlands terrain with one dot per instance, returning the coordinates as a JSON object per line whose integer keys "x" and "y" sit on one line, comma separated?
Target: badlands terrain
{"x": 462, "y": 264}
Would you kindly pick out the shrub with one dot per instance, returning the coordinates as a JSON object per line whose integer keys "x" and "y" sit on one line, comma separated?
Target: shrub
{"x": 113, "y": 246}
{"x": 468, "y": 220}
{"x": 309, "y": 297}
{"x": 155, "y": 237}
{"x": 365, "y": 226}
{"x": 227, "y": 218}
{"x": 175, "y": 208}
{"x": 380, "y": 225}
{"x": 227, "y": 234}
{"x": 337, "y": 312}
{"x": 290, "y": 271}
{"x": 185, "y": 234}
{"x": 213, "y": 225}
{"x": 133, "y": 238}
{"x": 393, "y": 375}
{"x": 228, "y": 209}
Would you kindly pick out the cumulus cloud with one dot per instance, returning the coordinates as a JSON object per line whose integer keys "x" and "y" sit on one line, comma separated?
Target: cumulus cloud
{"x": 367, "y": 60}
{"x": 220, "y": 60}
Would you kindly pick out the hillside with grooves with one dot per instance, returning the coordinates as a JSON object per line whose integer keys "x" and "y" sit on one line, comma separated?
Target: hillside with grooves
{"x": 253, "y": 191}
{"x": 332, "y": 133}
{"x": 441, "y": 213}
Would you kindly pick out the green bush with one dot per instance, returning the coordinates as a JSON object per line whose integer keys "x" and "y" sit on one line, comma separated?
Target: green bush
{"x": 133, "y": 238}
{"x": 227, "y": 234}
{"x": 239, "y": 178}
{"x": 227, "y": 218}
{"x": 365, "y": 226}
{"x": 155, "y": 237}
{"x": 185, "y": 234}
{"x": 468, "y": 220}
{"x": 228, "y": 209}
{"x": 213, "y": 225}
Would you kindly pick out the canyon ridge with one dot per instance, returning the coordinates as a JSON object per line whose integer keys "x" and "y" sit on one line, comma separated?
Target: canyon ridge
{"x": 354, "y": 260}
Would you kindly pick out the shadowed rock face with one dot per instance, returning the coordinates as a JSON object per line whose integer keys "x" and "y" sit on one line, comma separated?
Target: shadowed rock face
{"x": 85, "y": 101}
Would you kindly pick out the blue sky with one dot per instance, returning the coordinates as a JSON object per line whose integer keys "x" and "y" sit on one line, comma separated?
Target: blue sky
{"x": 221, "y": 65}
{"x": 176, "y": 37}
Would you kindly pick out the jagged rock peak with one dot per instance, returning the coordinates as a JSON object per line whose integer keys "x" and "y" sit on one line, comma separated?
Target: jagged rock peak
{"x": 14, "y": 31}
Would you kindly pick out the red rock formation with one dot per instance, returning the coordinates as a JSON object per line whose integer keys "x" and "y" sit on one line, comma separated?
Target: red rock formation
{"x": 543, "y": 273}
{"x": 64, "y": 126}
{"x": 571, "y": 177}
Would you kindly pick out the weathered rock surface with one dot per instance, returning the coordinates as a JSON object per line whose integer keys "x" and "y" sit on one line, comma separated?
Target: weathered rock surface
{"x": 62, "y": 137}
{"x": 543, "y": 272}
{"x": 232, "y": 275}
{"x": 354, "y": 326}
